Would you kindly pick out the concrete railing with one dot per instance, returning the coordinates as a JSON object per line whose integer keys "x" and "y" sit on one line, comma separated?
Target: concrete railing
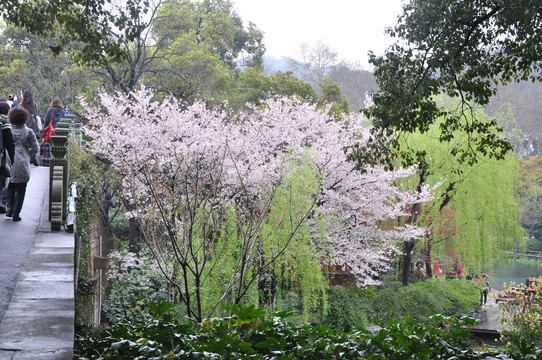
{"x": 67, "y": 133}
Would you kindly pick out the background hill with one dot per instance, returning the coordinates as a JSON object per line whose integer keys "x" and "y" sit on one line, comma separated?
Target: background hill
{"x": 520, "y": 104}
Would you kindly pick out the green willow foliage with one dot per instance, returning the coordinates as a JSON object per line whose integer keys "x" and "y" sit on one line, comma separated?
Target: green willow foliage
{"x": 300, "y": 266}
{"x": 298, "y": 271}
{"x": 481, "y": 214}
{"x": 487, "y": 213}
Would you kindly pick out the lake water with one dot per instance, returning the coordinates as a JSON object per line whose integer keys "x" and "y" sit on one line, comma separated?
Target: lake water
{"x": 516, "y": 272}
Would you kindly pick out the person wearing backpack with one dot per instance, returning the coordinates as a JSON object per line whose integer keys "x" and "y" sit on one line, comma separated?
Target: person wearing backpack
{"x": 26, "y": 145}
{"x": 6, "y": 146}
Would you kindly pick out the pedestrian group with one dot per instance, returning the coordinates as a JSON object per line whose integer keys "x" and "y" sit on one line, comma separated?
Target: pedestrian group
{"x": 22, "y": 130}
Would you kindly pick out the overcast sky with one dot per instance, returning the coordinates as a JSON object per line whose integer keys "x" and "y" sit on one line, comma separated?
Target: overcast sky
{"x": 350, "y": 27}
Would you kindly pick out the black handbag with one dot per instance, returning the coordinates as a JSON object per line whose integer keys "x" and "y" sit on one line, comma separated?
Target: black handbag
{"x": 5, "y": 164}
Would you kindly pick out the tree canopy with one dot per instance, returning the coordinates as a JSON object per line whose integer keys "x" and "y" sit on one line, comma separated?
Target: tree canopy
{"x": 89, "y": 23}
{"x": 201, "y": 181}
{"x": 463, "y": 49}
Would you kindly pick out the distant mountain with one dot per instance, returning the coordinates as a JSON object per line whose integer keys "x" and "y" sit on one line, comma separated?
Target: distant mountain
{"x": 523, "y": 99}
{"x": 355, "y": 83}
{"x": 272, "y": 64}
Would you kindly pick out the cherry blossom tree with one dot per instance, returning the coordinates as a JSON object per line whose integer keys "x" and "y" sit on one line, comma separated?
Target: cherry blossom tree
{"x": 206, "y": 185}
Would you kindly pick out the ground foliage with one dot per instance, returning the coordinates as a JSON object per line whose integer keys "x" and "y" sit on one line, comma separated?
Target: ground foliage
{"x": 134, "y": 282}
{"x": 251, "y": 333}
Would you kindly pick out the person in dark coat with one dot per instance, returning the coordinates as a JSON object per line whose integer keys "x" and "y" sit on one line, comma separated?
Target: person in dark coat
{"x": 33, "y": 122}
{"x": 54, "y": 113}
{"x": 9, "y": 146}
{"x": 107, "y": 203}
{"x": 26, "y": 145}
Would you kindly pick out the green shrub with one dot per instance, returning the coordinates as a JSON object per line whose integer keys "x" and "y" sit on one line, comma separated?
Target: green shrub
{"x": 347, "y": 310}
{"x": 536, "y": 231}
{"x": 351, "y": 307}
{"x": 533, "y": 244}
{"x": 120, "y": 226}
{"x": 135, "y": 282}
{"x": 393, "y": 302}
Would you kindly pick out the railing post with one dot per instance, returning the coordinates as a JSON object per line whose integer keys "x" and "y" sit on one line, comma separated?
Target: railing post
{"x": 58, "y": 171}
{"x": 56, "y": 204}
{"x": 63, "y": 129}
{"x": 67, "y": 132}
{"x": 77, "y": 132}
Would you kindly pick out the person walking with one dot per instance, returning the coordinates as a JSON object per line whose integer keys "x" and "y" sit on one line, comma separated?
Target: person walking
{"x": 485, "y": 288}
{"x": 107, "y": 203}
{"x": 46, "y": 145}
{"x": 52, "y": 117}
{"x": 54, "y": 113}
{"x": 34, "y": 121}
{"x": 6, "y": 145}
{"x": 26, "y": 145}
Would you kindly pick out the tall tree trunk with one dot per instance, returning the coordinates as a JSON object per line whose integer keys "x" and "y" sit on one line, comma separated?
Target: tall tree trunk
{"x": 407, "y": 260}
{"x": 413, "y": 219}
{"x": 427, "y": 258}
{"x": 134, "y": 235}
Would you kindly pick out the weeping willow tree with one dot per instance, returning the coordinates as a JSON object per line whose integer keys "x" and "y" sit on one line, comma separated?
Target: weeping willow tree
{"x": 298, "y": 276}
{"x": 487, "y": 216}
{"x": 299, "y": 272}
{"x": 475, "y": 214}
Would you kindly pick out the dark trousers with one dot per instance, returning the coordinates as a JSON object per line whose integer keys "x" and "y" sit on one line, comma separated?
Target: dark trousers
{"x": 3, "y": 192}
{"x": 16, "y": 192}
{"x": 483, "y": 297}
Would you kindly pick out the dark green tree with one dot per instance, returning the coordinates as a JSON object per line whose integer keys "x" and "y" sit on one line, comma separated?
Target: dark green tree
{"x": 90, "y": 23}
{"x": 255, "y": 86}
{"x": 186, "y": 48}
{"x": 197, "y": 47}
{"x": 27, "y": 62}
{"x": 530, "y": 194}
{"x": 331, "y": 94}
{"x": 460, "y": 48}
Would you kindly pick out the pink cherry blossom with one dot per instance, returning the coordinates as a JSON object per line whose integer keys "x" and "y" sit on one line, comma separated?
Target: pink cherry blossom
{"x": 160, "y": 146}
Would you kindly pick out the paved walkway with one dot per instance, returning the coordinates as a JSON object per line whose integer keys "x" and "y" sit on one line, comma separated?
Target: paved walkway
{"x": 490, "y": 321}
{"x": 37, "y": 281}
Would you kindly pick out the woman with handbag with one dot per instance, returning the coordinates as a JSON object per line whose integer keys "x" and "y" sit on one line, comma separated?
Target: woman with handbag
{"x": 52, "y": 117}
{"x": 54, "y": 113}
{"x": 45, "y": 146}
{"x": 26, "y": 145}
